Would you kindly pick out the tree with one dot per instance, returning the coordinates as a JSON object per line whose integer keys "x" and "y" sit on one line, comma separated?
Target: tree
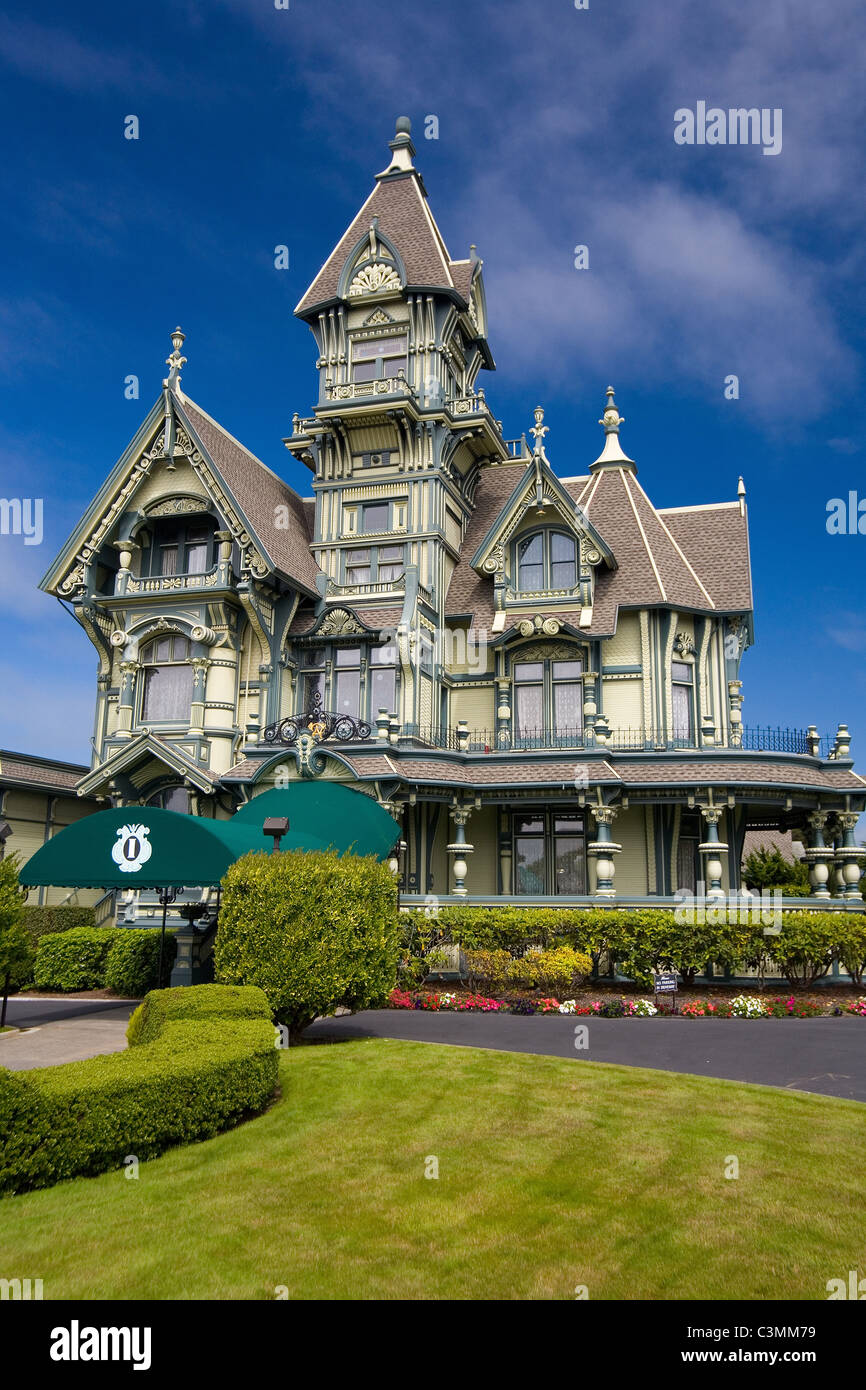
{"x": 768, "y": 868}
{"x": 16, "y": 950}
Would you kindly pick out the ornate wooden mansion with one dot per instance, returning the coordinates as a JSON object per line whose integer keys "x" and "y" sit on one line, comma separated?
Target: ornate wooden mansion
{"x": 541, "y": 675}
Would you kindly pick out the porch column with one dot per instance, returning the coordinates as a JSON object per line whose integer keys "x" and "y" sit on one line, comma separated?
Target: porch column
{"x": 849, "y": 853}
{"x": 460, "y": 848}
{"x": 200, "y": 666}
{"x": 602, "y": 849}
{"x": 126, "y": 701}
{"x": 818, "y": 856}
{"x": 712, "y": 849}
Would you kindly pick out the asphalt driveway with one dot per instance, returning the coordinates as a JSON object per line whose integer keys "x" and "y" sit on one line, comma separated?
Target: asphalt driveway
{"x": 824, "y": 1055}
{"x": 62, "y": 1030}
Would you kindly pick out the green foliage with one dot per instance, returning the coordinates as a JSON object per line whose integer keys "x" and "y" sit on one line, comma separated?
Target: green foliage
{"x": 16, "y": 951}
{"x": 809, "y": 942}
{"x": 487, "y": 970}
{"x": 74, "y": 960}
{"x": 561, "y": 969}
{"x": 193, "y": 1068}
{"x": 768, "y": 868}
{"x": 42, "y": 921}
{"x": 313, "y": 930}
{"x": 851, "y": 945}
{"x": 132, "y": 962}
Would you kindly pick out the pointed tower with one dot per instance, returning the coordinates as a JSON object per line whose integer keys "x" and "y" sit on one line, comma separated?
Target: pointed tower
{"x": 399, "y": 432}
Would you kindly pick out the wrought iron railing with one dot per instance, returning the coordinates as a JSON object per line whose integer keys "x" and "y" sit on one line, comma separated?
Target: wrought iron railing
{"x": 636, "y": 740}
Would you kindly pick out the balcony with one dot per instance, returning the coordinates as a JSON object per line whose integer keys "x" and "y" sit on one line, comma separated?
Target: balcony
{"x": 219, "y": 577}
{"x": 637, "y": 740}
{"x": 358, "y": 390}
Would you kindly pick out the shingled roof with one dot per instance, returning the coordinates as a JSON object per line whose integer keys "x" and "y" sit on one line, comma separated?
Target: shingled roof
{"x": 258, "y": 492}
{"x": 690, "y": 558}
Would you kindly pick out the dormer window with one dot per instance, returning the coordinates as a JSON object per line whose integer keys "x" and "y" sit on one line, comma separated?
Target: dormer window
{"x": 373, "y": 359}
{"x": 546, "y": 560}
{"x": 185, "y": 547}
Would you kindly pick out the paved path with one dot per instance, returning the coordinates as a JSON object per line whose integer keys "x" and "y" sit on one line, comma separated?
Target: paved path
{"x": 86, "y": 1033}
{"x": 28, "y": 1010}
{"x": 824, "y": 1055}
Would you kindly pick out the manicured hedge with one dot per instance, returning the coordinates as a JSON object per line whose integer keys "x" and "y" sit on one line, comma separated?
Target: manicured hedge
{"x": 74, "y": 960}
{"x": 641, "y": 940}
{"x": 42, "y": 921}
{"x": 132, "y": 962}
{"x": 200, "y": 1060}
{"x": 313, "y": 930}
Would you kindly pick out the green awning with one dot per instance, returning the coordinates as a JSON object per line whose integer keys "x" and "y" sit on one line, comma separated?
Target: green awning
{"x": 333, "y": 815}
{"x": 142, "y": 847}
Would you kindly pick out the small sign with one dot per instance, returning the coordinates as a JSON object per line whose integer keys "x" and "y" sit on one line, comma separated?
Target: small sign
{"x": 666, "y": 984}
{"x": 132, "y": 848}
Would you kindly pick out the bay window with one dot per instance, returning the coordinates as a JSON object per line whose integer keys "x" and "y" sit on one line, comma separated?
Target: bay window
{"x": 373, "y": 359}
{"x": 167, "y": 679}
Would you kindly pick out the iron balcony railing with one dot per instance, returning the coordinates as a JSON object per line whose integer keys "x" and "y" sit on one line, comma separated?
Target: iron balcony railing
{"x": 761, "y": 740}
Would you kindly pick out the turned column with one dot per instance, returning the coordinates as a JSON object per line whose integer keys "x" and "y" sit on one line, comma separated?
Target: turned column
{"x": 818, "y": 855}
{"x": 712, "y": 849}
{"x": 849, "y": 854}
{"x": 460, "y": 849}
{"x": 602, "y": 849}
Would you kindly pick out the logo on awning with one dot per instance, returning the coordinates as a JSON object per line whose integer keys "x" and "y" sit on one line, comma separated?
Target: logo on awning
{"x": 132, "y": 849}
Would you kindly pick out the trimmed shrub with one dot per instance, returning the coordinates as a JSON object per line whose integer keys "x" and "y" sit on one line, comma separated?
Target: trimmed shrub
{"x": 487, "y": 968}
{"x": 809, "y": 942}
{"x": 44, "y": 921}
{"x": 767, "y": 868}
{"x": 132, "y": 963}
{"x": 313, "y": 930}
{"x": 195, "y": 1066}
{"x": 74, "y": 960}
{"x": 851, "y": 945}
{"x": 16, "y": 949}
{"x": 562, "y": 968}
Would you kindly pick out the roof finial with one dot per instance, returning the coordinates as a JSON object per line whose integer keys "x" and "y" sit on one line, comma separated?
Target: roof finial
{"x": 538, "y": 431}
{"x": 611, "y": 419}
{"x": 741, "y": 494}
{"x": 175, "y": 361}
{"x": 402, "y": 148}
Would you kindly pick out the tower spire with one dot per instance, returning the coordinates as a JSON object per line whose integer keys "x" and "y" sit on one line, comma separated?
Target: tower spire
{"x": 612, "y": 453}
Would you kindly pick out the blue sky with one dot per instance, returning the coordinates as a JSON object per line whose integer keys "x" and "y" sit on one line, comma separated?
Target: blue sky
{"x": 261, "y": 127}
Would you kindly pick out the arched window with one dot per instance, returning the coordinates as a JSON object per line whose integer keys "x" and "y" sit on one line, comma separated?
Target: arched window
{"x": 167, "y": 679}
{"x": 182, "y": 545}
{"x": 171, "y": 799}
{"x": 546, "y": 560}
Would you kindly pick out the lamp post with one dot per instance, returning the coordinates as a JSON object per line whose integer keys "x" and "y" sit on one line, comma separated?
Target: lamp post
{"x": 277, "y": 827}
{"x": 166, "y": 896}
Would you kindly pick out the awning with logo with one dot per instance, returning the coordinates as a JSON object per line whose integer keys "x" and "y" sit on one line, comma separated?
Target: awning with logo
{"x": 147, "y": 847}
{"x": 141, "y": 847}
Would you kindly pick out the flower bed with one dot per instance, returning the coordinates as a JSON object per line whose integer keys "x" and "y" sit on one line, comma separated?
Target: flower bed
{"x": 740, "y": 1006}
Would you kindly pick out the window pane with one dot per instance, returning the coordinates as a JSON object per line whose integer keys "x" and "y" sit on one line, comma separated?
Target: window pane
{"x": 569, "y": 870}
{"x": 682, "y": 710}
{"x": 196, "y": 559}
{"x": 378, "y": 347}
{"x": 527, "y": 825}
{"x": 179, "y": 649}
{"x": 347, "y": 656}
{"x": 568, "y": 708}
{"x": 682, "y": 671}
{"x": 176, "y": 799}
{"x": 358, "y": 557}
{"x": 570, "y": 824}
{"x": 687, "y": 858}
{"x": 561, "y": 547}
{"x": 315, "y": 657}
{"x": 163, "y": 649}
{"x": 348, "y": 693}
{"x": 528, "y": 671}
{"x": 169, "y": 560}
{"x": 567, "y": 670}
{"x": 531, "y": 550}
{"x": 314, "y": 684}
{"x": 364, "y": 371}
{"x": 393, "y": 365}
{"x": 383, "y": 686}
{"x": 390, "y": 553}
{"x": 375, "y": 518}
{"x": 167, "y": 692}
{"x": 531, "y": 578}
{"x": 529, "y": 865}
{"x": 389, "y": 572}
{"x": 529, "y": 708}
{"x": 562, "y": 574}
{"x": 359, "y": 576}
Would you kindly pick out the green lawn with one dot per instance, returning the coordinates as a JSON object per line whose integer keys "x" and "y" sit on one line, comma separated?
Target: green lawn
{"x": 552, "y": 1174}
